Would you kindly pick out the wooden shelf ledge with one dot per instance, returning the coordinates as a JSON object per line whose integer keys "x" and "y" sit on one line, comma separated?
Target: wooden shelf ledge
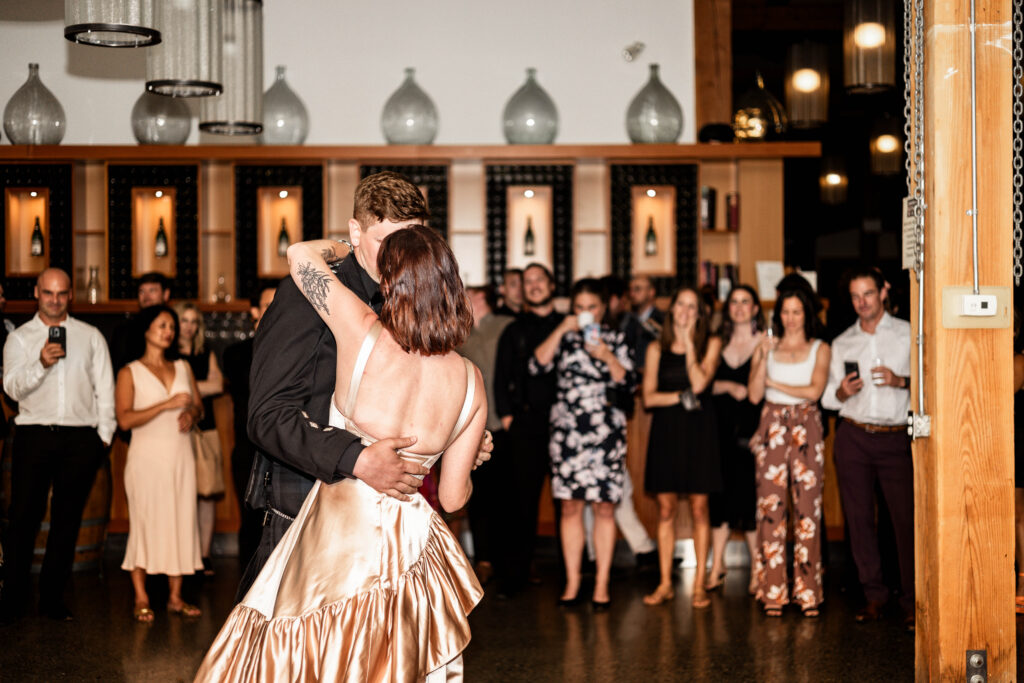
{"x": 409, "y": 153}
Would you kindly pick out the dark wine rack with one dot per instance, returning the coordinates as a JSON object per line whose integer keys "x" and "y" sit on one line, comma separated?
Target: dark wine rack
{"x": 120, "y": 181}
{"x": 248, "y": 180}
{"x": 683, "y": 177}
{"x": 56, "y": 177}
{"x": 559, "y": 178}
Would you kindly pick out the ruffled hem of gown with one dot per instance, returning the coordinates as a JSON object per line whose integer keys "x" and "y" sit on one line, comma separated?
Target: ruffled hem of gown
{"x": 384, "y": 634}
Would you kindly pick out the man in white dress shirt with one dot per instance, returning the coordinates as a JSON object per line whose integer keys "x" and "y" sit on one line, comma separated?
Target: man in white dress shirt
{"x": 871, "y": 442}
{"x": 65, "y": 395}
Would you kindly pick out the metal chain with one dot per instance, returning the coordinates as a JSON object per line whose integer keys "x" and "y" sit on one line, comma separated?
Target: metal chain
{"x": 908, "y": 108}
{"x": 1018, "y": 140}
{"x": 919, "y": 207}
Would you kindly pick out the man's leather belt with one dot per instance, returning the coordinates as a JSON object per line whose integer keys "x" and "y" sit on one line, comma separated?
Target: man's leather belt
{"x": 877, "y": 429}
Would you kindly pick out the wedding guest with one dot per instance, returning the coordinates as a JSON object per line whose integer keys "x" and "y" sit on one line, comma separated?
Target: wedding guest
{"x": 789, "y": 371}
{"x": 65, "y": 393}
{"x": 512, "y": 303}
{"x": 487, "y": 506}
{"x": 588, "y": 435}
{"x": 682, "y": 453}
{"x": 523, "y": 402}
{"x": 159, "y": 401}
{"x": 209, "y": 469}
{"x": 733, "y": 509}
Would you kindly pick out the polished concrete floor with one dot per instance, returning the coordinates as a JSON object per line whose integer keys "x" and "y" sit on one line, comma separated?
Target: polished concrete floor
{"x": 526, "y": 638}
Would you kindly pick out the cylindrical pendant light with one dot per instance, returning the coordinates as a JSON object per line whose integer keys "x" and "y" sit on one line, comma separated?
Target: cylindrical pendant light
{"x": 110, "y": 23}
{"x": 833, "y": 180}
{"x": 869, "y": 42}
{"x": 187, "y": 63}
{"x": 886, "y": 146}
{"x": 239, "y": 110}
{"x": 807, "y": 85}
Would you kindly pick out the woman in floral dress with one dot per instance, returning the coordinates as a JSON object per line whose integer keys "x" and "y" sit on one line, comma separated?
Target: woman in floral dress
{"x": 789, "y": 453}
{"x": 588, "y": 434}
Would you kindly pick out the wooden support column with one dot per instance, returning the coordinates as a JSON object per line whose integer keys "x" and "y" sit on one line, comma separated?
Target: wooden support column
{"x": 964, "y": 470}
{"x": 712, "y": 48}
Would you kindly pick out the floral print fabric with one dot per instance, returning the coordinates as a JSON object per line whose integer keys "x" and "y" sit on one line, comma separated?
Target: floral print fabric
{"x": 588, "y": 436}
{"x": 789, "y": 454}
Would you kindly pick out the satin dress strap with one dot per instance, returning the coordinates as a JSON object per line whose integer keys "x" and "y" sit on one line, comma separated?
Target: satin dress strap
{"x": 369, "y": 341}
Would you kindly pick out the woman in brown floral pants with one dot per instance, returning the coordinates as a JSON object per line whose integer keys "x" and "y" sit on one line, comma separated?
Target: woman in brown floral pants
{"x": 789, "y": 454}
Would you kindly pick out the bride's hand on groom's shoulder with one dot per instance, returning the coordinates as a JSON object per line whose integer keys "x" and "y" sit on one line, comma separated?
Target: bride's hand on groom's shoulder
{"x": 486, "y": 447}
{"x": 380, "y": 466}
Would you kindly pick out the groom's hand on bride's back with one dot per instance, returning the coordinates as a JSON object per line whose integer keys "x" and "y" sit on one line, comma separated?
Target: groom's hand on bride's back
{"x": 382, "y": 468}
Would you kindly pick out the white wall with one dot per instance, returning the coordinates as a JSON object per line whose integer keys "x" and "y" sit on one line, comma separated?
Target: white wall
{"x": 345, "y": 58}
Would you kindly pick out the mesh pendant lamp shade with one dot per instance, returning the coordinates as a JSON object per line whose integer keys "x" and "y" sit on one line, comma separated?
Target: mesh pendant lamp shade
{"x": 239, "y": 110}
{"x": 869, "y": 45}
{"x": 807, "y": 85}
{"x": 110, "y": 23}
{"x": 187, "y": 62}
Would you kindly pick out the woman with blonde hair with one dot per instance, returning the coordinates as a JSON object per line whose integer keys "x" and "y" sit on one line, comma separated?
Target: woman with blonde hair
{"x": 209, "y": 463}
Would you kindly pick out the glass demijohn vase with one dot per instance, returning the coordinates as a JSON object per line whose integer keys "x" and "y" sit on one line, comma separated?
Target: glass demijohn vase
{"x": 33, "y": 116}
{"x": 654, "y": 115}
{"x": 409, "y": 116}
{"x": 161, "y": 120}
{"x": 530, "y": 117}
{"x": 285, "y": 119}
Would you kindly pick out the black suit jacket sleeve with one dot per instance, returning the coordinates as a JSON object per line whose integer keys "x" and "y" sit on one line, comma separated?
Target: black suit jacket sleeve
{"x": 288, "y": 401}
{"x": 506, "y": 365}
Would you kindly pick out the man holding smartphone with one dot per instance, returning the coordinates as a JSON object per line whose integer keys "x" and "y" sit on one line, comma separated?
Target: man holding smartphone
{"x": 869, "y": 381}
{"x": 58, "y": 370}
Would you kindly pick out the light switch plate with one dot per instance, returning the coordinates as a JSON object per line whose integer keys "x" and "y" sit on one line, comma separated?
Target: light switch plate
{"x": 953, "y": 317}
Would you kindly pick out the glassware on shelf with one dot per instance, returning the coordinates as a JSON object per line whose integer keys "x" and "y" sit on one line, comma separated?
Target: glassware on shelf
{"x": 221, "y": 295}
{"x": 530, "y": 116}
{"x": 161, "y": 120}
{"x": 92, "y": 288}
{"x": 409, "y": 116}
{"x": 759, "y": 115}
{"x": 285, "y": 118}
{"x": 33, "y": 116}
{"x": 654, "y": 115}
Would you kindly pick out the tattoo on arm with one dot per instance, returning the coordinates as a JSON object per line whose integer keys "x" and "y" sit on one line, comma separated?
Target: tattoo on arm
{"x": 314, "y": 286}
{"x": 330, "y": 255}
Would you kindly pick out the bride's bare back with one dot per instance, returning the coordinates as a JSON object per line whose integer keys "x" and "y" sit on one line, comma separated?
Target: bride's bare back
{"x": 418, "y": 390}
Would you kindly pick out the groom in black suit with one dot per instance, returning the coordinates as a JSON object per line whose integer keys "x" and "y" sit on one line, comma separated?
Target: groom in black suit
{"x": 292, "y": 381}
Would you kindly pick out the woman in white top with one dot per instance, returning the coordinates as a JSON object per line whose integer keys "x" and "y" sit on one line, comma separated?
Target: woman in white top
{"x": 789, "y": 370}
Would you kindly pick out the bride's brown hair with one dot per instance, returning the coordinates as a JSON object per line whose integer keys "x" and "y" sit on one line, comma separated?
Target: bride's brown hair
{"x": 425, "y": 308}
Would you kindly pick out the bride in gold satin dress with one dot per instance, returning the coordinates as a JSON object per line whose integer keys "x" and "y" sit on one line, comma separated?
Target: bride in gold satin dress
{"x": 363, "y": 586}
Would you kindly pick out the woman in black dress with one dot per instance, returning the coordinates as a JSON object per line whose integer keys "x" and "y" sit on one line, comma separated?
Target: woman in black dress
{"x": 588, "y": 433}
{"x": 735, "y": 507}
{"x": 682, "y": 455}
{"x": 192, "y": 348}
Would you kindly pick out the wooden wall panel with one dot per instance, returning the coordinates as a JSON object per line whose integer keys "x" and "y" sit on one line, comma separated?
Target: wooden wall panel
{"x": 964, "y": 470}
{"x": 712, "y": 49}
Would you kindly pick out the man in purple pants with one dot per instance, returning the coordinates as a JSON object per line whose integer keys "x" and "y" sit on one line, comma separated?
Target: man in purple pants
{"x": 869, "y": 382}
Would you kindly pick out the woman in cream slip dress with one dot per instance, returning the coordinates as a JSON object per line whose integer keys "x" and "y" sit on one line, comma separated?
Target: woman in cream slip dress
{"x": 363, "y": 586}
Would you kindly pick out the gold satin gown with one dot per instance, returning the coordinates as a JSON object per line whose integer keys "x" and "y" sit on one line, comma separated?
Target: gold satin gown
{"x": 362, "y": 587}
